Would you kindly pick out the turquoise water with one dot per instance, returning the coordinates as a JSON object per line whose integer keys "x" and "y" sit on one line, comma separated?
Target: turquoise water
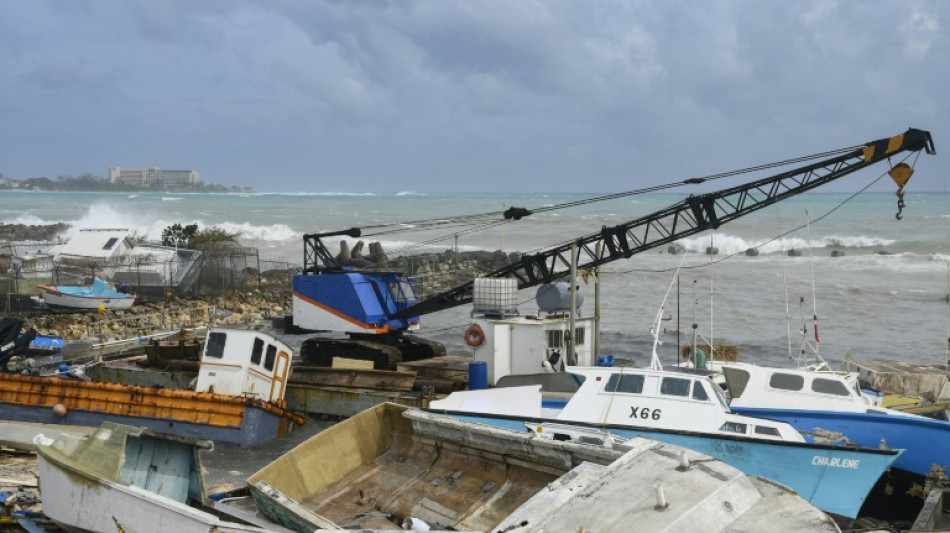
{"x": 885, "y": 298}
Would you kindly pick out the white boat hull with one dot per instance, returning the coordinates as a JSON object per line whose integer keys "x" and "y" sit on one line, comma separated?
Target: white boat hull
{"x": 58, "y": 300}
{"x": 78, "y": 503}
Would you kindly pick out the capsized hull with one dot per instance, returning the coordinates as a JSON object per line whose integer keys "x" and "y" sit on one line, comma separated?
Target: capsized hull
{"x": 836, "y": 479}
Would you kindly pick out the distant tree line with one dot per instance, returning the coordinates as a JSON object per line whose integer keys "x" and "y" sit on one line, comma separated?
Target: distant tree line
{"x": 92, "y": 182}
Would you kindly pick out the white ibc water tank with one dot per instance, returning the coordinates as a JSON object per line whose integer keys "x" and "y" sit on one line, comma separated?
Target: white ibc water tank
{"x": 495, "y": 296}
{"x": 556, "y": 297}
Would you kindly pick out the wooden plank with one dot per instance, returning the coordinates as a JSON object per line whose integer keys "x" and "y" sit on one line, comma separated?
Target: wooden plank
{"x": 360, "y": 378}
{"x": 357, "y": 364}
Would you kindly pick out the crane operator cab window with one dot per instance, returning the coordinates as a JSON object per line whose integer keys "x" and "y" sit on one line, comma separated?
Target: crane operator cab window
{"x": 401, "y": 292}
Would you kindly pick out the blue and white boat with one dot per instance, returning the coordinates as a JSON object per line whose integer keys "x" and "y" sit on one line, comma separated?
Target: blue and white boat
{"x": 689, "y": 411}
{"x": 99, "y": 295}
{"x": 831, "y": 406}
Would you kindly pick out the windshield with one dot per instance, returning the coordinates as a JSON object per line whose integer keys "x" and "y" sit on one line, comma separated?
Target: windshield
{"x": 720, "y": 395}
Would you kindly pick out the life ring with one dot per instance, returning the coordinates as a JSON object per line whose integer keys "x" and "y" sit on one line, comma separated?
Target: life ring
{"x": 474, "y": 336}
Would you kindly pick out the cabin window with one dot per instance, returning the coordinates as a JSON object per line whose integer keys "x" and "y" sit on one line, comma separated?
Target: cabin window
{"x": 578, "y": 336}
{"x": 829, "y": 386}
{"x": 766, "y": 430}
{"x": 786, "y": 381}
{"x": 215, "y": 346}
{"x": 554, "y": 338}
{"x": 621, "y": 383}
{"x": 737, "y": 380}
{"x": 110, "y": 243}
{"x": 270, "y": 357}
{"x": 699, "y": 393}
{"x": 733, "y": 427}
{"x": 395, "y": 289}
{"x": 257, "y": 351}
{"x": 675, "y": 386}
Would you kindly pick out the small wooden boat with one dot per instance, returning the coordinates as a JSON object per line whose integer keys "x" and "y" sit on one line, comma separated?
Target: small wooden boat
{"x": 122, "y": 478}
{"x": 99, "y": 295}
{"x": 393, "y": 467}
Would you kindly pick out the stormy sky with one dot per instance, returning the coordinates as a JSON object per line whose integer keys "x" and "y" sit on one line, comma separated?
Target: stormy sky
{"x": 447, "y": 96}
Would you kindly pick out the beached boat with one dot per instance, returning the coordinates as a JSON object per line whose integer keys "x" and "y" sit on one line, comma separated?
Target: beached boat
{"x": 393, "y": 467}
{"x": 688, "y": 411}
{"x": 99, "y": 295}
{"x": 122, "y": 478}
{"x": 238, "y": 397}
{"x": 831, "y": 406}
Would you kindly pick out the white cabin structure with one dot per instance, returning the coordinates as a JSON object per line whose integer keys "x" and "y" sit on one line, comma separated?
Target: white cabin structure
{"x": 239, "y": 362}
{"x": 511, "y": 344}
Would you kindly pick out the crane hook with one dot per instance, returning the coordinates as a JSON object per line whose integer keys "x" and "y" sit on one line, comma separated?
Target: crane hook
{"x": 900, "y": 173}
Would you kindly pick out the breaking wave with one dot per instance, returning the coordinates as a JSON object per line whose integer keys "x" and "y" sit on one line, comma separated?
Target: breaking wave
{"x": 273, "y": 232}
{"x": 730, "y": 244}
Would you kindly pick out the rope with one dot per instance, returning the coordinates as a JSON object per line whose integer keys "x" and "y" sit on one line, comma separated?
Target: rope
{"x": 497, "y": 216}
{"x": 773, "y": 239}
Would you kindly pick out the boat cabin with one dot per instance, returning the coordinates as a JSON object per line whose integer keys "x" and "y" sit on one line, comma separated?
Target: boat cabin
{"x": 663, "y": 400}
{"x": 239, "y": 362}
{"x": 788, "y": 388}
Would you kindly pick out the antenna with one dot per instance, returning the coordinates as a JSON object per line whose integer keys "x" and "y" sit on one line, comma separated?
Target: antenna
{"x": 814, "y": 300}
{"x": 788, "y": 315}
{"x": 655, "y": 331}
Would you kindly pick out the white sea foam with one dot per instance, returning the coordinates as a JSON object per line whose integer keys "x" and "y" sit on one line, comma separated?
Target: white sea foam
{"x": 273, "y": 232}
{"x": 731, "y": 244}
{"x": 29, "y": 220}
{"x": 104, "y": 215}
{"x": 171, "y": 198}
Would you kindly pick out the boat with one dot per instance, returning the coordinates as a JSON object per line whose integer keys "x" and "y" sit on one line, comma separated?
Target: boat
{"x": 831, "y": 406}
{"x": 672, "y": 491}
{"x": 692, "y": 412}
{"x": 237, "y": 398}
{"x": 123, "y": 478}
{"x": 100, "y": 295}
{"x": 393, "y": 467}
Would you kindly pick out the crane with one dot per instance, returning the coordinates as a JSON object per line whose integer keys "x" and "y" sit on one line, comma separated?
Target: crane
{"x": 376, "y": 308}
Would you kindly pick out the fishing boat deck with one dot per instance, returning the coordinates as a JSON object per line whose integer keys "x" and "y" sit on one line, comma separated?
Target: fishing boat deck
{"x": 378, "y": 483}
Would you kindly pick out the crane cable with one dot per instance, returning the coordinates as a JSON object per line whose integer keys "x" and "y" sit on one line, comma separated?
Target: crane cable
{"x": 850, "y": 197}
{"x": 496, "y": 216}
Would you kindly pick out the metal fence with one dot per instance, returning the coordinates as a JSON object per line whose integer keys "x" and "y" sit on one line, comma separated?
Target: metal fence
{"x": 187, "y": 275}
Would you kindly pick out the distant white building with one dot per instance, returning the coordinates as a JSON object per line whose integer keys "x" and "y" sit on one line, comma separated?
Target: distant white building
{"x": 153, "y": 177}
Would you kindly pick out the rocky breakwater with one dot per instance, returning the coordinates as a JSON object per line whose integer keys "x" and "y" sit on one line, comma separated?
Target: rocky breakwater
{"x": 256, "y": 305}
{"x": 436, "y": 271}
{"x": 29, "y": 232}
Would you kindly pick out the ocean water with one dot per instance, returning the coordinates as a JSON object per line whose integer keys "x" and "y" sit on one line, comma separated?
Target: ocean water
{"x": 886, "y": 297}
